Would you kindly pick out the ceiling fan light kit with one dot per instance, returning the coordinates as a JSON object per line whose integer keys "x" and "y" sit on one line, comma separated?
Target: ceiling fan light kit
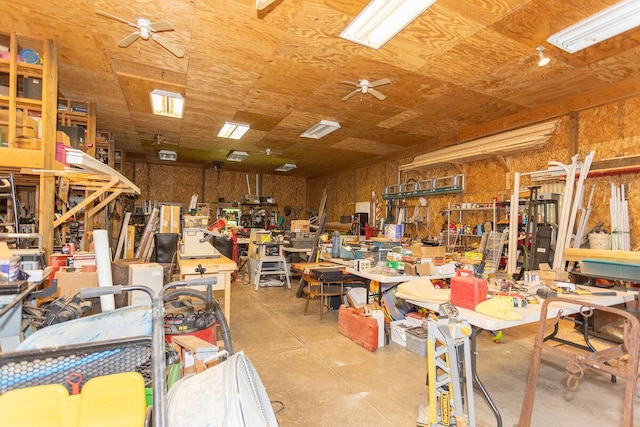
{"x": 617, "y": 19}
{"x": 381, "y": 20}
{"x": 542, "y": 59}
{"x": 146, "y": 30}
{"x": 364, "y": 86}
{"x": 165, "y": 103}
{"x": 321, "y": 129}
{"x": 233, "y": 130}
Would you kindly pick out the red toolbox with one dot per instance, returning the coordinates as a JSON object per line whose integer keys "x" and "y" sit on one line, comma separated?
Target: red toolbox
{"x": 467, "y": 291}
{"x": 361, "y": 329}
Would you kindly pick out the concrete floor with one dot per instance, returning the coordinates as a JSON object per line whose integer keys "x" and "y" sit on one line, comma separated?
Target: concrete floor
{"x": 324, "y": 379}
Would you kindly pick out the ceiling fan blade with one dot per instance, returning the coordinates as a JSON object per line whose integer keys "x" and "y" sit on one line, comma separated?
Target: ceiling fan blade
{"x": 126, "y": 42}
{"x": 110, "y": 16}
{"x": 168, "y": 45}
{"x": 170, "y": 142}
{"x": 380, "y": 82}
{"x": 377, "y": 94}
{"x": 351, "y": 94}
{"x": 344, "y": 82}
{"x": 161, "y": 26}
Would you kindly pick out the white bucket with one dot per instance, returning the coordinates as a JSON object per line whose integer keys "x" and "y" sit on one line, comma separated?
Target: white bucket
{"x": 599, "y": 241}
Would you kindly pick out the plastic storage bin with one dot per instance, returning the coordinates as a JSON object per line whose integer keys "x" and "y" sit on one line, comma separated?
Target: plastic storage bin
{"x": 417, "y": 340}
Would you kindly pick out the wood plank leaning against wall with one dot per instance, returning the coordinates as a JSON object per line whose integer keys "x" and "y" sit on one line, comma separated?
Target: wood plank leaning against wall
{"x": 612, "y": 130}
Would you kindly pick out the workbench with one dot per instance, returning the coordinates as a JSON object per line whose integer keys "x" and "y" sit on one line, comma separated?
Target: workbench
{"x": 529, "y": 314}
{"x": 220, "y": 267}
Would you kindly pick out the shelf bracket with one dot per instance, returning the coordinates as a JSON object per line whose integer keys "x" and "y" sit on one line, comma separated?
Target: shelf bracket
{"x": 458, "y": 167}
{"x": 503, "y": 162}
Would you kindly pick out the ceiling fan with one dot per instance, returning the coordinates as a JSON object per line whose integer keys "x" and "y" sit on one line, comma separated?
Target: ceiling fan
{"x": 159, "y": 140}
{"x": 145, "y": 30}
{"x": 365, "y": 86}
{"x": 269, "y": 152}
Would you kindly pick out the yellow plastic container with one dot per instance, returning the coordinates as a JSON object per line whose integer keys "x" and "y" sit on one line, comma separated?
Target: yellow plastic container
{"x": 110, "y": 401}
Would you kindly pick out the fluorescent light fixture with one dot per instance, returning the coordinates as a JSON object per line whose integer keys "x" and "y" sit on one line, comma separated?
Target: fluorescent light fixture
{"x": 381, "y": 20}
{"x": 544, "y": 60}
{"x": 233, "y": 130}
{"x": 286, "y": 167}
{"x": 164, "y": 103}
{"x": 171, "y": 156}
{"x": 237, "y": 156}
{"x": 605, "y": 24}
{"x": 323, "y": 128}
{"x": 261, "y": 4}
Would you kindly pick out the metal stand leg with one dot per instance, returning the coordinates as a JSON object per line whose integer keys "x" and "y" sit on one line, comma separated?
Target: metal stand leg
{"x": 476, "y": 379}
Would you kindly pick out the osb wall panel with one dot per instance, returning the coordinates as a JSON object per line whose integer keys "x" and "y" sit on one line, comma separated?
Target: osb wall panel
{"x": 174, "y": 183}
{"x": 315, "y": 188}
{"x": 140, "y": 178}
{"x": 167, "y": 183}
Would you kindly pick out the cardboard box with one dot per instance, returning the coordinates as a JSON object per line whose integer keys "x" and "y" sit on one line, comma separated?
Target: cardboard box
{"x": 70, "y": 283}
{"x": 436, "y": 253}
{"x": 196, "y": 221}
{"x": 26, "y": 126}
{"x": 422, "y": 269}
{"x": 81, "y": 259}
{"x": 300, "y": 225}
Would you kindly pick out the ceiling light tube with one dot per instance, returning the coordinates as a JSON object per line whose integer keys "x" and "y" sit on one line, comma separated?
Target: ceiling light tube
{"x": 286, "y": 167}
{"x": 323, "y": 128}
{"x": 233, "y": 130}
{"x": 605, "y": 24}
{"x": 165, "y": 103}
{"x": 237, "y": 156}
{"x": 381, "y": 20}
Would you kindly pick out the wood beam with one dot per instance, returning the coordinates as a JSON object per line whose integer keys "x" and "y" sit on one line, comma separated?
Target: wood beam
{"x": 85, "y": 202}
{"x": 104, "y": 203}
{"x": 572, "y": 137}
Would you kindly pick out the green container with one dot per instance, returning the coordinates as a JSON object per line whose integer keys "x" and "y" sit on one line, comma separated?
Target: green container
{"x": 149, "y": 394}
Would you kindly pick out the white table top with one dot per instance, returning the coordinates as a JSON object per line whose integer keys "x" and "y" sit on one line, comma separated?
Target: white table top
{"x": 531, "y": 313}
{"x": 382, "y": 278}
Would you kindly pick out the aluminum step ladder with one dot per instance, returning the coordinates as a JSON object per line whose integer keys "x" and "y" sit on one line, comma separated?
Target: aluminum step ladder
{"x": 9, "y": 212}
{"x": 450, "y": 379}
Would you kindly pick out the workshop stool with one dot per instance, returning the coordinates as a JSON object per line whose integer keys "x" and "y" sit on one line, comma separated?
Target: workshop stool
{"x": 323, "y": 291}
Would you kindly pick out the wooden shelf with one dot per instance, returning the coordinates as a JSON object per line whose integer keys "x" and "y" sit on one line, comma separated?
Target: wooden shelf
{"x": 29, "y": 125}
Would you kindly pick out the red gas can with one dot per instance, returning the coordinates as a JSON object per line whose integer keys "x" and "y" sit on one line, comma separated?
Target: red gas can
{"x": 467, "y": 291}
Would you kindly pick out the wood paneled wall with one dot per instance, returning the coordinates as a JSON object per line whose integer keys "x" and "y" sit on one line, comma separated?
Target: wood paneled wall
{"x": 168, "y": 183}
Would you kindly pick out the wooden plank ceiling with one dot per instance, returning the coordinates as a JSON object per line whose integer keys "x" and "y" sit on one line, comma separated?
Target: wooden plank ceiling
{"x": 459, "y": 71}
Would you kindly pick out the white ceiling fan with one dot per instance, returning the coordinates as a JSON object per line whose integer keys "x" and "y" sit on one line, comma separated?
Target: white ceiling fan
{"x": 269, "y": 152}
{"x": 364, "y": 86}
{"x": 158, "y": 139}
{"x": 145, "y": 30}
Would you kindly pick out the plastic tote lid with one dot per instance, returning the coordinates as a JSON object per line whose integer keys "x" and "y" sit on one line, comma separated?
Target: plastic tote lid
{"x": 30, "y": 56}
